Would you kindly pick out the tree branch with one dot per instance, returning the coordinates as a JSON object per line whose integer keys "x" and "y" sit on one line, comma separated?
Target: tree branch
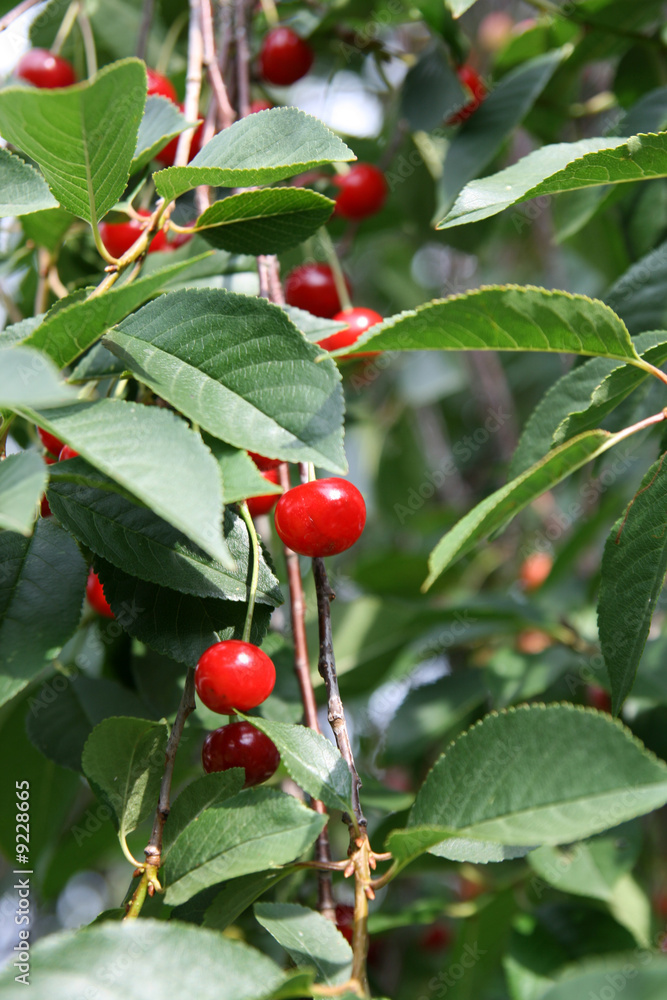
{"x": 212, "y": 68}
{"x": 242, "y": 58}
{"x": 192, "y": 84}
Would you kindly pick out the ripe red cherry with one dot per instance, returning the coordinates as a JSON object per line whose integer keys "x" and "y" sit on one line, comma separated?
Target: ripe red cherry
{"x": 264, "y": 464}
{"x": 241, "y": 745}
{"x": 45, "y": 70}
{"x": 284, "y": 57}
{"x": 363, "y": 192}
{"x": 234, "y": 675}
{"x": 52, "y": 444}
{"x": 436, "y": 938}
{"x": 95, "y": 595}
{"x": 312, "y": 287}
{"x": 168, "y": 154}
{"x": 44, "y": 508}
{"x": 598, "y": 698}
{"x": 160, "y": 86}
{"x": 321, "y": 518}
{"x": 472, "y": 81}
{"x": 260, "y": 105}
{"x": 345, "y": 920}
{"x": 67, "y": 452}
{"x": 263, "y": 504}
{"x": 118, "y": 237}
{"x": 358, "y": 321}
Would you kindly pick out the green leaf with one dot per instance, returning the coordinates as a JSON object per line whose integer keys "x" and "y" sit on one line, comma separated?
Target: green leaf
{"x": 640, "y": 975}
{"x": 312, "y": 761}
{"x": 561, "y": 167}
{"x": 22, "y": 188}
{"x": 64, "y": 711}
{"x": 254, "y": 831}
{"x": 481, "y": 136}
{"x": 237, "y": 366}
{"x": 22, "y": 482}
{"x": 506, "y": 318}
{"x": 27, "y": 378}
{"x": 497, "y": 782}
{"x": 161, "y": 122}
{"x": 237, "y": 894}
{"x": 314, "y": 327}
{"x": 125, "y": 953}
{"x": 240, "y": 476}
{"x": 47, "y": 229}
{"x": 581, "y": 399}
{"x": 123, "y": 759}
{"x": 178, "y": 625}
{"x": 497, "y": 510}
{"x": 96, "y": 363}
{"x": 260, "y": 149}
{"x": 133, "y": 538}
{"x": 139, "y": 447}
{"x": 308, "y": 938}
{"x": 431, "y": 91}
{"x": 83, "y": 137}
{"x": 633, "y": 573}
{"x": 68, "y": 330}
{"x": 41, "y": 593}
{"x": 206, "y": 792}
{"x": 269, "y": 220}
{"x": 637, "y": 297}
{"x": 459, "y": 7}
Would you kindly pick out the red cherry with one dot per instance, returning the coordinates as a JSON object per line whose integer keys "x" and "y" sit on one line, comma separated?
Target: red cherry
{"x": 264, "y": 464}
{"x": 259, "y": 105}
{"x": 234, "y": 675}
{"x": 44, "y": 508}
{"x": 535, "y": 569}
{"x": 160, "y": 86}
{"x": 363, "y": 192}
{"x": 95, "y": 595}
{"x": 321, "y": 518}
{"x": 472, "y": 81}
{"x": 358, "y": 321}
{"x": 598, "y": 698}
{"x": 284, "y": 57}
{"x": 312, "y": 287}
{"x": 345, "y": 920}
{"x": 241, "y": 745}
{"x": 436, "y": 938}
{"x": 52, "y": 444}
{"x": 45, "y": 70}
{"x": 67, "y": 452}
{"x": 168, "y": 154}
{"x": 263, "y": 504}
{"x": 118, "y": 237}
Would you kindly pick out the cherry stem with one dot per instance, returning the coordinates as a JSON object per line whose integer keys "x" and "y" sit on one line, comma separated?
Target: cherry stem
{"x": 336, "y": 269}
{"x": 144, "y": 28}
{"x": 153, "y": 849}
{"x": 169, "y": 44}
{"x": 254, "y": 556}
{"x": 66, "y": 26}
{"x": 88, "y": 42}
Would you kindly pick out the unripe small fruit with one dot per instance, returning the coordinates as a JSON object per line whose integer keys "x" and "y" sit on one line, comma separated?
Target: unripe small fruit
{"x": 321, "y": 518}
{"x": 241, "y": 744}
{"x": 535, "y": 569}
{"x": 234, "y": 675}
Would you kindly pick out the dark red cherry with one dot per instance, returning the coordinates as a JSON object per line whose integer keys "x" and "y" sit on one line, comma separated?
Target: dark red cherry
{"x": 345, "y": 920}
{"x": 321, "y": 518}
{"x": 234, "y": 675}
{"x": 363, "y": 191}
{"x": 472, "y": 81}
{"x": 264, "y": 464}
{"x": 312, "y": 287}
{"x": 263, "y": 504}
{"x": 240, "y": 744}
{"x": 95, "y": 595}
{"x": 118, "y": 237}
{"x": 284, "y": 57}
{"x": 167, "y": 155}
{"x": 45, "y": 70}
{"x": 52, "y": 444}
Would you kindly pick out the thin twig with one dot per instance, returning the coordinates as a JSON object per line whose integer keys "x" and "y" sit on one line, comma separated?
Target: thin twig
{"x": 192, "y": 84}
{"x": 144, "y": 29}
{"x": 327, "y": 668}
{"x": 153, "y": 849}
{"x": 16, "y": 12}
{"x": 88, "y": 42}
{"x": 242, "y": 58}
{"x": 212, "y": 68}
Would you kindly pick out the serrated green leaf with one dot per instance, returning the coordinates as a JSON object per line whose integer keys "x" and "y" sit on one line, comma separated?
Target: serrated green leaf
{"x": 480, "y": 137}
{"x": 254, "y": 831}
{"x": 312, "y": 761}
{"x": 497, "y": 781}
{"x": 237, "y": 366}
{"x": 27, "y": 378}
{"x": 237, "y": 894}
{"x": 83, "y": 137}
{"x": 47, "y": 228}
{"x": 68, "y": 330}
{"x": 180, "y": 626}
{"x": 22, "y": 188}
{"x": 97, "y": 363}
{"x": 260, "y": 149}
{"x": 22, "y": 482}
{"x": 633, "y": 573}
{"x": 60, "y": 721}
{"x": 497, "y": 510}
{"x": 505, "y": 318}
{"x": 269, "y": 220}
{"x": 308, "y": 938}
{"x": 41, "y": 594}
{"x": 161, "y": 122}
{"x": 314, "y": 327}
{"x": 240, "y": 476}
{"x": 561, "y": 167}
{"x": 153, "y": 455}
{"x": 126, "y": 951}
{"x": 132, "y": 537}
{"x": 206, "y": 792}
{"x": 123, "y": 759}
